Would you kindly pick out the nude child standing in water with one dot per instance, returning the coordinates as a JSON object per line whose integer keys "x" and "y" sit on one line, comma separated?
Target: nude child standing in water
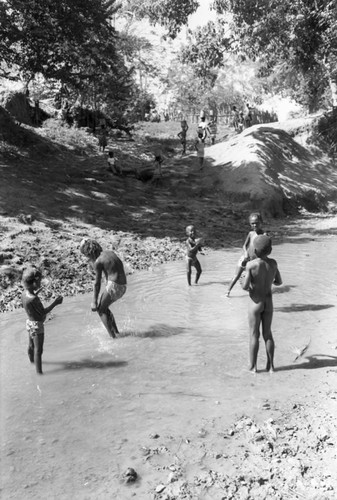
{"x": 193, "y": 246}
{"x": 261, "y": 274}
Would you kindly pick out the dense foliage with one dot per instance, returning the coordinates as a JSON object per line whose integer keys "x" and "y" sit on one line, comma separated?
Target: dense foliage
{"x": 172, "y": 14}
{"x": 69, "y": 40}
{"x": 295, "y": 41}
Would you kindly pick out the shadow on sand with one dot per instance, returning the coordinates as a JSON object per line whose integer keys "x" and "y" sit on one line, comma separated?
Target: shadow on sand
{"x": 303, "y": 307}
{"x": 311, "y": 362}
{"x": 159, "y": 330}
{"x": 83, "y": 364}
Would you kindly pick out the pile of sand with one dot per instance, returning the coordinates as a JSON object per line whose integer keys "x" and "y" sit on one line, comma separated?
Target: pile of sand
{"x": 264, "y": 168}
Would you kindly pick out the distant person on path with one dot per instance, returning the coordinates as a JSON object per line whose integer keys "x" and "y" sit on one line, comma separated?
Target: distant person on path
{"x": 108, "y": 264}
{"x": 113, "y": 164}
{"x": 199, "y": 146}
{"x": 193, "y": 246}
{"x": 158, "y": 174}
{"x": 262, "y": 273}
{"x": 236, "y": 117}
{"x": 248, "y": 116}
{"x": 212, "y": 128}
{"x": 36, "y": 313}
{"x": 182, "y": 135}
{"x": 241, "y": 122}
{"x": 255, "y": 221}
{"x": 202, "y": 125}
{"x": 102, "y": 140}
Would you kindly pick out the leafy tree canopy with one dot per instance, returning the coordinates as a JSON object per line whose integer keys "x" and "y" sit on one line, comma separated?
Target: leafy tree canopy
{"x": 172, "y": 14}
{"x": 72, "y": 41}
{"x": 206, "y": 48}
{"x": 297, "y": 36}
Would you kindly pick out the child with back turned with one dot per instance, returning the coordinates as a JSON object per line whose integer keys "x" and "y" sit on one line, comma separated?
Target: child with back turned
{"x": 36, "y": 313}
{"x": 261, "y": 274}
{"x": 255, "y": 221}
{"x": 193, "y": 246}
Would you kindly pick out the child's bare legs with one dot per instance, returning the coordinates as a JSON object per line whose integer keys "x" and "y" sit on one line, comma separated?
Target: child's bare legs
{"x": 266, "y": 318}
{"x": 239, "y": 271}
{"x": 189, "y": 271}
{"x": 30, "y": 348}
{"x": 195, "y": 263}
{"x": 106, "y": 315}
{"x": 198, "y": 269}
{"x": 254, "y": 319}
{"x": 38, "y": 350}
{"x": 201, "y": 162}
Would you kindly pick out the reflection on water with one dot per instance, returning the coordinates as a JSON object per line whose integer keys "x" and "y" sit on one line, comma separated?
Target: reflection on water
{"x": 182, "y": 355}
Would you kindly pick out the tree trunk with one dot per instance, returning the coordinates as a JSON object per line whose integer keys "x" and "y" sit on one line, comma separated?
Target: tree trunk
{"x": 333, "y": 88}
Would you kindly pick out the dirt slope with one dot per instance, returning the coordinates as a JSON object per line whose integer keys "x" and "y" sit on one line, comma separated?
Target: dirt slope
{"x": 264, "y": 168}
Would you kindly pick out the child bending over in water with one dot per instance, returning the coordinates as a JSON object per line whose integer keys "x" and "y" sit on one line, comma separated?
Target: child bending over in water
{"x": 255, "y": 221}
{"x": 262, "y": 273}
{"x": 108, "y": 264}
{"x": 193, "y": 246}
{"x": 36, "y": 313}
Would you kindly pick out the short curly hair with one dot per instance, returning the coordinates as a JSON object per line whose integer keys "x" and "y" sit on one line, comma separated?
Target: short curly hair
{"x": 90, "y": 248}
{"x": 255, "y": 215}
{"x": 30, "y": 274}
{"x": 188, "y": 228}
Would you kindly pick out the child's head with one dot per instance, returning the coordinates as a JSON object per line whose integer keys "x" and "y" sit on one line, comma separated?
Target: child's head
{"x": 190, "y": 230}
{"x": 255, "y": 220}
{"x": 111, "y": 153}
{"x": 200, "y": 135}
{"x": 31, "y": 278}
{"x": 262, "y": 245}
{"x": 183, "y": 124}
{"x": 90, "y": 248}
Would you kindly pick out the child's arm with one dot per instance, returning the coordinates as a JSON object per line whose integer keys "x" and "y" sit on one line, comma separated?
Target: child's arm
{"x": 56, "y": 302}
{"x": 246, "y": 284}
{"x": 277, "y": 280}
{"x": 193, "y": 246}
{"x": 246, "y": 245}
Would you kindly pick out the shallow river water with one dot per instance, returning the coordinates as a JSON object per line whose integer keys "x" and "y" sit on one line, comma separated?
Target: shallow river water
{"x": 182, "y": 358}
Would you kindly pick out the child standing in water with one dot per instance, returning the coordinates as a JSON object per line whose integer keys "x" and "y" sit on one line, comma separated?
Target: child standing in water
{"x": 255, "y": 221}
{"x": 182, "y": 135}
{"x": 36, "y": 313}
{"x": 262, "y": 273}
{"x": 193, "y": 246}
